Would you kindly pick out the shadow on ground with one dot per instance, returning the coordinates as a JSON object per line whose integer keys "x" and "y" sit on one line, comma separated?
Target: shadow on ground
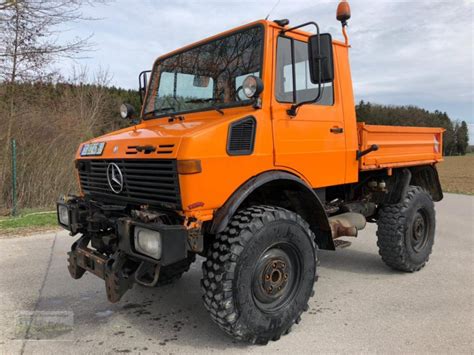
{"x": 170, "y": 316}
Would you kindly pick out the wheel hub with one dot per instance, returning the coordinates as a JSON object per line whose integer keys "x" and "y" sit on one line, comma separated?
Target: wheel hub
{"x": 276, "y": 275}
{"x": 419, "y": 233}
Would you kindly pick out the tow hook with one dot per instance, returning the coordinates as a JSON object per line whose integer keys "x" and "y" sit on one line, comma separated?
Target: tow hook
{"x": 118, "y": 278}
{"x": 147, "y": 274}
{"x": 115, "y": 270}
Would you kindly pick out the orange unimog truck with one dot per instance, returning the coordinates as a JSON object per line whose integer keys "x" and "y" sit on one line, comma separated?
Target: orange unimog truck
{"x": 247, "y": 152}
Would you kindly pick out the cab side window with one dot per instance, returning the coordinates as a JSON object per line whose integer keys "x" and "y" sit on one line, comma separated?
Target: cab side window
{"x": 304, "y": 89}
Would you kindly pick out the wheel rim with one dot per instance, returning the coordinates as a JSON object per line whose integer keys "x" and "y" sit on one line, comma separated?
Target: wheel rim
{"x": 420, "y": 231}
{"x": 276, "y": 277}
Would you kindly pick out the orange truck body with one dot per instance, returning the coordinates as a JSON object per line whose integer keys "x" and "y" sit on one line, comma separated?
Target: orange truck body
{"x": 303, "y": 145}
{"x": 255, "y": 183}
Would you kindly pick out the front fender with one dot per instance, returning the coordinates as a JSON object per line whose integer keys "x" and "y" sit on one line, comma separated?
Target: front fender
{"x": 309, "y": 206}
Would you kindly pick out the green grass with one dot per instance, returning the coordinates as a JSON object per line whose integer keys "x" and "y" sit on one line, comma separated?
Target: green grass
{"x": 33, "y": 220}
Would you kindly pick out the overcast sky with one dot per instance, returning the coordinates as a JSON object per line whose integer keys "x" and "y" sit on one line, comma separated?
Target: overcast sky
{"x": 403, "y": 52}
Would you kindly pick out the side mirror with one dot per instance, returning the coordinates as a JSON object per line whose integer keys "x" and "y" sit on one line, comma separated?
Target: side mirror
{"x": 142, "y": 84}
{"x": 320, "y": 56}
{"x": 127, "y": 111}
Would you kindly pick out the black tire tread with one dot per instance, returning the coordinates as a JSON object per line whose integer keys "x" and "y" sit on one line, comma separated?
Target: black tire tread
{"x": 391, "y": 226}
{"x": 221, "y": 262}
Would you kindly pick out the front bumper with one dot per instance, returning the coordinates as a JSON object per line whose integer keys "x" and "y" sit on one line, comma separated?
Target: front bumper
{"x": 115, "y": 258}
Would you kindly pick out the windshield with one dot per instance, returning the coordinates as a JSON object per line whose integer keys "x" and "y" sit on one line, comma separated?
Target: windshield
{"x": 206, "y": 77}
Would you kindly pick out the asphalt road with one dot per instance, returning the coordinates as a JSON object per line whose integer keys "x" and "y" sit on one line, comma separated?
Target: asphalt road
{"x": 360, "y": 305}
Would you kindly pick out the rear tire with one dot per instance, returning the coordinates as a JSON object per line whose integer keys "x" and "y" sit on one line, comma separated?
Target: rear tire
{"x": 259, "y": 274}
{"x": 406, "y": 231}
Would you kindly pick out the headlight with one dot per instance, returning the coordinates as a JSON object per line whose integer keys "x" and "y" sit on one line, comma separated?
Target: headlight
{"x": 147, "y": 242}
{"x": 123, "y": 111}
{"x": 252, "y": 86}
{"x": 63, "y": 215}
{"x": 127, "y": 111}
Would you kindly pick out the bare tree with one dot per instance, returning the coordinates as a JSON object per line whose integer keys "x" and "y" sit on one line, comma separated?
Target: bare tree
{"x": 30, "y": 43}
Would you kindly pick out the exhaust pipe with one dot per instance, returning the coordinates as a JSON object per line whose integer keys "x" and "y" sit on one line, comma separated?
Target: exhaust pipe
{"x": 347, "y": 224}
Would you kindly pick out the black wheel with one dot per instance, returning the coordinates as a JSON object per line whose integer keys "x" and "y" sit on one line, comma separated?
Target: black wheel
{"x": 260, "y": 273}
{"x": 406, "y": 231}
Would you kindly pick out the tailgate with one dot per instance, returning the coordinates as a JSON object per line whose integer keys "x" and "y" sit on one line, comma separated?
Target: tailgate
{"x": 400, "y": 146}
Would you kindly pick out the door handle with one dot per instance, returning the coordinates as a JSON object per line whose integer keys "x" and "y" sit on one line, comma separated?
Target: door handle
{"x": 337, "y": 130}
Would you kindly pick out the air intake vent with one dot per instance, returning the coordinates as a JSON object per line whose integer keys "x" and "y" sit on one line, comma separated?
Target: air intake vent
{"x": 131, "y": 149}
{"x": 165, "y": 149}
{"x": 162, "y": 149}
{"x": 241, "y": 137}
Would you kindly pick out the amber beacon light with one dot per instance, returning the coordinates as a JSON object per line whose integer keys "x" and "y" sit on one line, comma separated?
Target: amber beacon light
{"x": 343, "y": 14}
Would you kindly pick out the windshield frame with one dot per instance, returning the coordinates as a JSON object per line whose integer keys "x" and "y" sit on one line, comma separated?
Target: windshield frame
{"x": 247, "y": 102}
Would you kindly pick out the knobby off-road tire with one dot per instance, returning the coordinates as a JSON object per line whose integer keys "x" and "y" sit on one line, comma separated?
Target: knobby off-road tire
{"x": 406, "y": 231}
{"x": 259, "y": 274}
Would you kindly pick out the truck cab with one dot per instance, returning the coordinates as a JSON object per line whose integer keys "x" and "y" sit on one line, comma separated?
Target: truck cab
{"x": 247, "y": 151}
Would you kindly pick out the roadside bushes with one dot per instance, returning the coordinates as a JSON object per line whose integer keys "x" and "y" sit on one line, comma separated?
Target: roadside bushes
{"x": 48, "y": 122}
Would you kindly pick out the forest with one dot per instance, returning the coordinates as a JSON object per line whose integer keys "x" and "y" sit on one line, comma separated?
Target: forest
{"x": 50, "y": 120}
{"x": 455, "y": 138}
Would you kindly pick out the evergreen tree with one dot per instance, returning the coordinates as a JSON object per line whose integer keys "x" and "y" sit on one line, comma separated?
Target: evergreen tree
{"x": 455, "y": 139}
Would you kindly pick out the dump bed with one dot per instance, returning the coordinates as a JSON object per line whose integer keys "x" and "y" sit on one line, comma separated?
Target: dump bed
{"x": 399, "y": 146}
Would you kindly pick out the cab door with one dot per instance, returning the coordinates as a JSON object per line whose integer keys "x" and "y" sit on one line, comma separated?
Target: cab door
{"x": 313, "y": 142}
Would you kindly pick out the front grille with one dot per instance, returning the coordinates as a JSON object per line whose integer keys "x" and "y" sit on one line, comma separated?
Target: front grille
{"x": 152, "y": 181}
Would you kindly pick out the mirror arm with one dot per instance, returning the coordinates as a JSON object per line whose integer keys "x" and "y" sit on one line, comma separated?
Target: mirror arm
{"x": 293, "y": 111}
{"x": 300, "y": 26}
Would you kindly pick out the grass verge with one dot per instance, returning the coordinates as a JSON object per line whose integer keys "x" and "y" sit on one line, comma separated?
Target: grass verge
{"x": 23, "y": 224}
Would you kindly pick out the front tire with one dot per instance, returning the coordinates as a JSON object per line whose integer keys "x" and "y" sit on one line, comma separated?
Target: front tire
{"x": 259, "y": 274}
{"x": 406, "y": 231}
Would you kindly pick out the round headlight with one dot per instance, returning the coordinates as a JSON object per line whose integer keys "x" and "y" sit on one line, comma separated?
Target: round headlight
{"x": 252, "y": 86}
{"x": 126, "y": 111}
{"x": 123, "y": 111}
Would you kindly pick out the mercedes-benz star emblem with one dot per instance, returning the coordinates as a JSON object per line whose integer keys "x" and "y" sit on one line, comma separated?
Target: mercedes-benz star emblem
{"x": 115, "y": 178}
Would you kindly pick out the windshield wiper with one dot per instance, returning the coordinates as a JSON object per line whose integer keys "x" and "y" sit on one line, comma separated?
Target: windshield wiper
{"x": 198, "y": 101}
{"x": 161, "y": 109}
{"x": 215, "y": 107}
